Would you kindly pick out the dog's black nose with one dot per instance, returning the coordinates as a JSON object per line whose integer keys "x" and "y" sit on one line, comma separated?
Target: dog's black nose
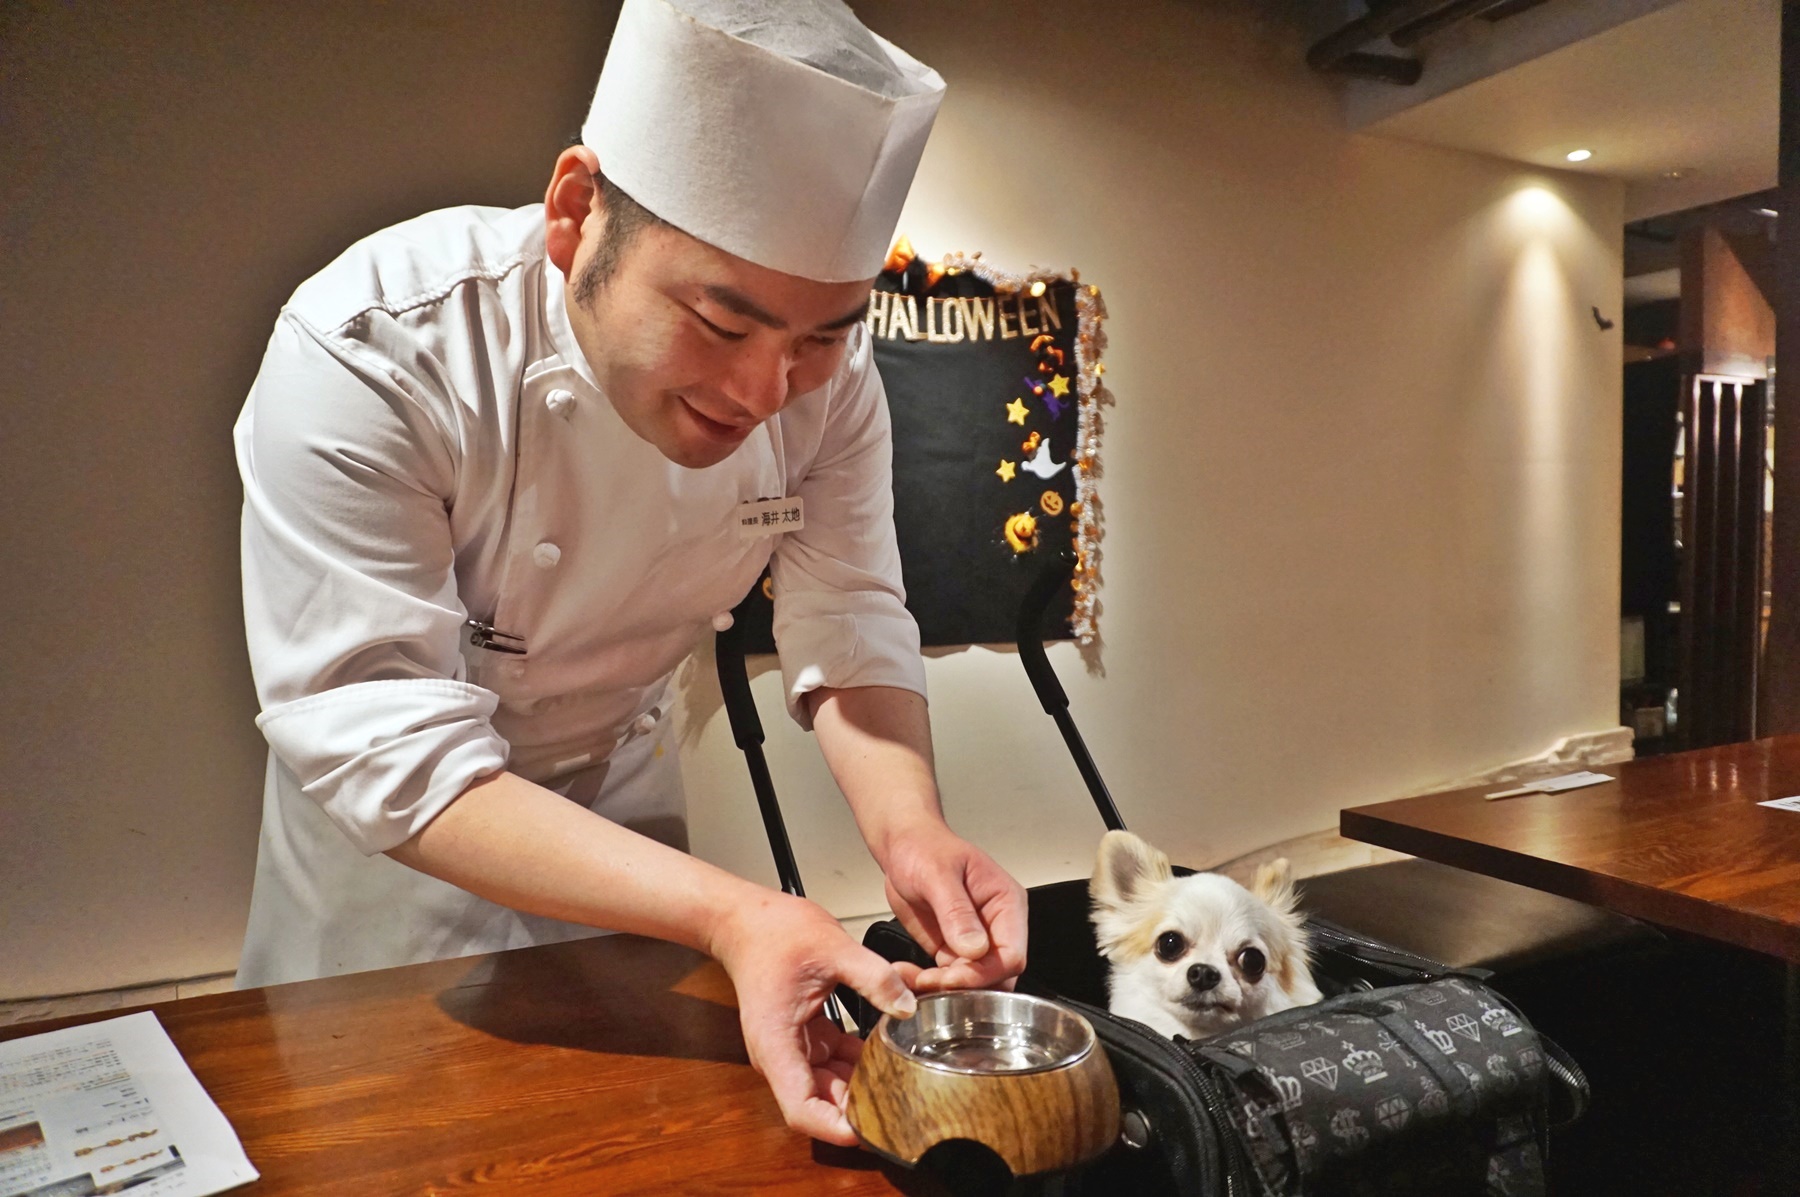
{"x": 1202, "y": 976}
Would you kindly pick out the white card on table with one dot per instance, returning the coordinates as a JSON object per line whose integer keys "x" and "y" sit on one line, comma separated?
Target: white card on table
{"x": 1554, "y": 785}
{"x": 1783, "y": 803}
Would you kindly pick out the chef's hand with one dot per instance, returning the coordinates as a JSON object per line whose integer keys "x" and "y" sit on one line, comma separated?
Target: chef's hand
{"x": 958, "y": 905}
{"x": 784, "y": 955}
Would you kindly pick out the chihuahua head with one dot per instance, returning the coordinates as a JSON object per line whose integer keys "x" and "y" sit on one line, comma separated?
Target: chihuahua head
{"x": 1196, "y": 955}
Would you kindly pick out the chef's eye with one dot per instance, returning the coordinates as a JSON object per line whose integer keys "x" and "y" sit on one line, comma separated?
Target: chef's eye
{"x": 1252, "y": 963}
{"x": 1170, "y": 945}
{"x": 722, "y": 333}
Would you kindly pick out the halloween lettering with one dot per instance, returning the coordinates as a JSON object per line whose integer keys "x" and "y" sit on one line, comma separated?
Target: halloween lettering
{"x": 952, "y": 319}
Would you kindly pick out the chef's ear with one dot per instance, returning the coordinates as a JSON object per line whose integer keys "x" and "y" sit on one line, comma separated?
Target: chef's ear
{"x": 570, "y": 200}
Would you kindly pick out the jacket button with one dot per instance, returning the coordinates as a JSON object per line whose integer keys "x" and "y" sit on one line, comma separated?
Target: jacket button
{"x": 722, "y": 622}
{"x": 546, "y": 555}
{"x": 643, "y": 725}
{"x": 559, "y": 402}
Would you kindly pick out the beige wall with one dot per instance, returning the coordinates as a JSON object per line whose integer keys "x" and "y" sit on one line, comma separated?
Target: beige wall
{"x": 1361, "y": 480}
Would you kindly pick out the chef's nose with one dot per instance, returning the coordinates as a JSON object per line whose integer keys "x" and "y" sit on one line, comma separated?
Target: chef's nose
{"x": 758, "y": 379}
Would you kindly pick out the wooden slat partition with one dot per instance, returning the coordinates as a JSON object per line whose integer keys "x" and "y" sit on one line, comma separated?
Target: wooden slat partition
{"x": 1721, "y": 574}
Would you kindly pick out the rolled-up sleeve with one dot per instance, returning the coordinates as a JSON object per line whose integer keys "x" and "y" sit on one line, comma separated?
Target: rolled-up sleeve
{"x": 840, "y": 605}
{"x": 350, "y": 604}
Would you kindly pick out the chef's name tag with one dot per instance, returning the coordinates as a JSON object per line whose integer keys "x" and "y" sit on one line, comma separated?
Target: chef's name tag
{"x": 766, "y": 517}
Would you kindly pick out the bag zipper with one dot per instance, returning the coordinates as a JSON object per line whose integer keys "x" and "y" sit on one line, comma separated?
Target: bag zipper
{"x": 1370, "y": 952}
{"x": 1184, "y": 1067}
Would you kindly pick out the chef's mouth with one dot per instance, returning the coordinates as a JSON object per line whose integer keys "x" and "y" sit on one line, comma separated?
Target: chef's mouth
{"x": 716, "y": 429}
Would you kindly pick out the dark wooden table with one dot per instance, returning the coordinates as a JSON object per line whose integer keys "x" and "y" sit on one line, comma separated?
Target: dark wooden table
{"x": 603, "y": 1066}
{"x": 1675, "y": 840}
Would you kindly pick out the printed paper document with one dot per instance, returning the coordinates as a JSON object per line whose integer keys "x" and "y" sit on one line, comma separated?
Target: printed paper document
{"x": 110, "y": 1107}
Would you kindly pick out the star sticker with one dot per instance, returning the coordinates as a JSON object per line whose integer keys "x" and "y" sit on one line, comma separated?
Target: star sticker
{"x": 1006, "y": 471}
{"x": 1060, "y": 385}
{"x": 1016, "y": 412}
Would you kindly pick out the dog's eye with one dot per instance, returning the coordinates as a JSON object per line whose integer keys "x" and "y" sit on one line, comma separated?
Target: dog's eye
{"x": 1170, "y": 945}
{"x": 1251, "y": 962}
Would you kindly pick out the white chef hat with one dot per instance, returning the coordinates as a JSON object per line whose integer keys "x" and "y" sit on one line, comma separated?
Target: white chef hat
{"x": 782, "y": 131}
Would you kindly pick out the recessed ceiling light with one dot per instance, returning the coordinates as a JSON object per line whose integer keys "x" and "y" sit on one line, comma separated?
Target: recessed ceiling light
{"x": 1580, "y": 155}
{"x": 1681, "y": 172}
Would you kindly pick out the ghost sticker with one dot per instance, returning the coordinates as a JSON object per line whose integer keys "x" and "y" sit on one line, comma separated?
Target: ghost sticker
{"x": 1041, "y": 465}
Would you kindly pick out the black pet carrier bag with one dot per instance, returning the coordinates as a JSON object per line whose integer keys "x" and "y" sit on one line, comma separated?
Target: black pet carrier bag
{"x": 1411, "y": 1079}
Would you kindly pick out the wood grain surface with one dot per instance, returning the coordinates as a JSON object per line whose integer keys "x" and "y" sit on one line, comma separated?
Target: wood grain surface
{"x": 604, "y": 1066}
{"x": 1676, "y": 840}
{"x": 1035, "y": 1121}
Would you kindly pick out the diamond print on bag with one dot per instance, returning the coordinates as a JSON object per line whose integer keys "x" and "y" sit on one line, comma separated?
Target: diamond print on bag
{"x": 1394, "y": 1113}
{"x": 1383, "y": 1137}
{"x": 1465, "y": 1026}
{"x": 1320, "y": 1071}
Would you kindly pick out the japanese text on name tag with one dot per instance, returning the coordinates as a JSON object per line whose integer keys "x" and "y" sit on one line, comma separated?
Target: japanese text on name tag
{"x": 766, "y": 517}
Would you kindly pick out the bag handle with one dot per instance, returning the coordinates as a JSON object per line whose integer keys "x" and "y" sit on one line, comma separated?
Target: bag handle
{"x": 1051, "y": 581}
{"x": 747, "y": 732}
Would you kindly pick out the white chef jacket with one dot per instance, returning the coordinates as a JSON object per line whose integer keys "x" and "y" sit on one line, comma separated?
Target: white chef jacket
{"x": 425, "y": 444}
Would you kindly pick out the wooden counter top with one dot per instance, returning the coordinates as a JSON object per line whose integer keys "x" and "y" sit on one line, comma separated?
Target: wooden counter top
{"x": 603, "y": 1066}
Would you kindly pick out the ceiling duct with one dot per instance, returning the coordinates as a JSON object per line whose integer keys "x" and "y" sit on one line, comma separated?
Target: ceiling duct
{"x": 1405, "y": 23}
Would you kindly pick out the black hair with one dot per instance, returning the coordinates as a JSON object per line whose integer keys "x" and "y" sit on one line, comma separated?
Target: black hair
{"x": 625, "y": 219}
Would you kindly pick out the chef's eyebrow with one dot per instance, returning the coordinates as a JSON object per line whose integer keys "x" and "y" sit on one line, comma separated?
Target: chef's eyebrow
{"x": 740, "y": 304}
{"x": 855, "y": 316}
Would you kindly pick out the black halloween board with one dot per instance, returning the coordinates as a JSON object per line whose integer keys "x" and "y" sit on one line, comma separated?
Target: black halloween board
{"x": 992, "y": 383}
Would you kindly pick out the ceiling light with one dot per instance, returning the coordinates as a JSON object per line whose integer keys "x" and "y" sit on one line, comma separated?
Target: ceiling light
{"x": 1681, "y": 172}
{"x": 1580, "y": 155}
{"x": 1767, "y": 212}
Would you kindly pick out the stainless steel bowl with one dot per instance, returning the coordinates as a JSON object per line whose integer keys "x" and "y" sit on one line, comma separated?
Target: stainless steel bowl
{"x": 988, "y": 1032}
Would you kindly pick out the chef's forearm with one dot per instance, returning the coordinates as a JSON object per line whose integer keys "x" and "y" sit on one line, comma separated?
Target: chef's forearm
{"x": 877, "y": 741}
{"x": 518, "y": 844}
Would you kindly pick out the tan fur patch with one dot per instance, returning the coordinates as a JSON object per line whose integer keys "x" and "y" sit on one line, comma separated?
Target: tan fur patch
{"x": 1273, "y": 882}
{"x": 1140, "y": 940}
{"x": 1126, "y": 865}
{"x": 1284, "y": 972}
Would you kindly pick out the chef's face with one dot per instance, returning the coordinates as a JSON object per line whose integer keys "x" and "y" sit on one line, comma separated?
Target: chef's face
{"x": 696, "y": 347}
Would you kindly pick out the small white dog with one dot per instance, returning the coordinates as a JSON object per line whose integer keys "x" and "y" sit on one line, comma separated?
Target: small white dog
{"x": 1196, "y": 955}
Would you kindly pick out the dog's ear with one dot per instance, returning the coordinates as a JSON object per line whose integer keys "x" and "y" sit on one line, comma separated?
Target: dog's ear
{"x": 1274, "y": 884}
{"x": 1126, "y": 868}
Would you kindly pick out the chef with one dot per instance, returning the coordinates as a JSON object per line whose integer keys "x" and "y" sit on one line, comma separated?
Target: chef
{"x": 502, "y": 470}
